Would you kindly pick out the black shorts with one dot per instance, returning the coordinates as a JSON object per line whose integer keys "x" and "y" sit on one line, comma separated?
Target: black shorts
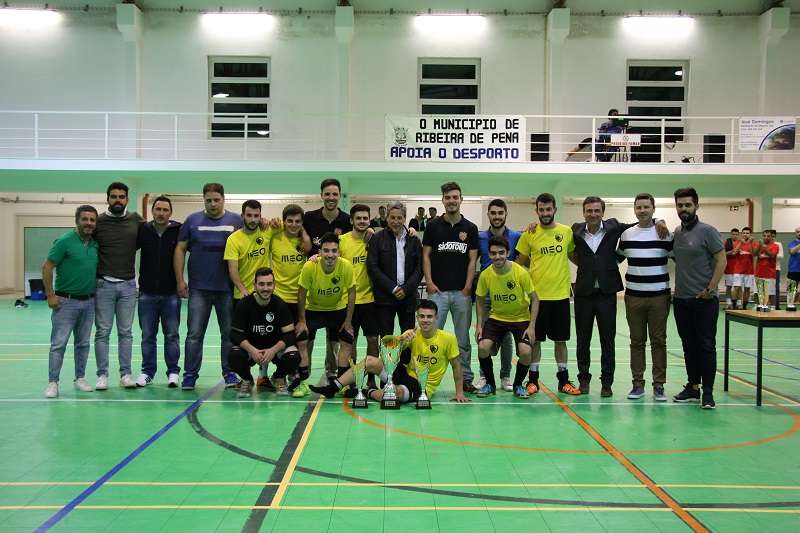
{"x": 553, "y": 321}
{"x": 400, "y": 377}
{"x": 794, "y": 276}
{"x": 365, "y": 318}
{"x": 496, "y": 330}
{"x": 293, "y": 310}
{"x": 330, "y": 320}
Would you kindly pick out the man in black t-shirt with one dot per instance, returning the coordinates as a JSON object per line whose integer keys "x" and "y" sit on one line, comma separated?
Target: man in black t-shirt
{"x": 449, "y": 253}
{"x": 262, "y": 331}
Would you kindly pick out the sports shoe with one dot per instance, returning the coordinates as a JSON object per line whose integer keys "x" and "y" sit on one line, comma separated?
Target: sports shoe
{"x": 245, "y": 390}
{"x": 583, "y": 385}
{"x": 606, "y": 392}
{"x": 143, "y": 380}
{"x": 301, "y": 391}
{"x": 568, "y": 388}
{"x": 481, "y": 383}
{"x": 469, "y": 388}
{"x": 688, "y": 394}
{"x": 329, "y": 390}
{"x": 102, "y": 383}
{"x": 188, "y": 382}
{"x": 658, "y": 393}
{"x": 506, "y": 384}
{"x": 264, "y": 383}
{"x": 486, "y": 390}
{"x": 52, "y": 390}
{"x": 638, "y": 392}
{"x": 173, "y": 380}
{"x": 531, "y": 388}
{"x": 127, "y": 381}
{"x": 280, "y": 388}
{"x": 231, "y": 380}
{"x": 82, "y": 385}
{"x": 521, "y": 393}
{"x": 708, "y": 401}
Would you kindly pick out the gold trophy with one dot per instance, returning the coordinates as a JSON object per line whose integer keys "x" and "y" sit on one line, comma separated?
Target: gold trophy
{"x": 762, "y": 287}
{"x": 791, "y": 294}
{"x": 391, "y": 346}
{"x": 360, "y": 401}
{"x": 422, "y": 370}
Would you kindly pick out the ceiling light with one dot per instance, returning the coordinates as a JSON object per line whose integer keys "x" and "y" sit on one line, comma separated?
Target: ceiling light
{"x": 450, "y": 25}
{"x": 28, "y": 18}
{"x": 263, "y": 133}
{"x": 658, "y": 28}
{"x": 679, "y": 73}
{"x": 221, "y": 95}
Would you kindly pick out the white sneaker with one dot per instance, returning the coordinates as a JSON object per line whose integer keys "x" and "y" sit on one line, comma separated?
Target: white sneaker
{"x": 173, "y": 381}
{"x": 82, "y": 385}
{"x": 102, "y": 383}
{"x": 505, "y": 383}
{"x": 481, "y": 383}
{"x": 127, "y": 382}
{"x": 52, "y": 390}
{"x": 143, "y": 380}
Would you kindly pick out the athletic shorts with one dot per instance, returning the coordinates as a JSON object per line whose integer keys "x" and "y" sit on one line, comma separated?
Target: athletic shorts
{"x": 400, "y": 377}
{"x": 365, "y": 318}
{"x": 293, "y": 310}
{"x": 330, "y": 320}
{"x": 794, "y": 276}
{"x": 496, "y": 330}
{"x": 770, "y": 286}
{"x": 553, "y": 321}
{"x": 729, "y": 280}
{"x": 747, "y": 281}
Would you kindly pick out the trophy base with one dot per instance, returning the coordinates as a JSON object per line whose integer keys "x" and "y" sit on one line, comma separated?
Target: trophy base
{"x": 359, "y": 403}
{"x": 791, "y": 307}
{"x": 763, "y": 308}
{"x": 390, "y": 403}
{"x": 423, "y": 404}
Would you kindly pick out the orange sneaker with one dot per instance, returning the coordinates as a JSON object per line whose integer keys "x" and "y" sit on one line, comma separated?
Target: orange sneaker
{"x": 569, "y": 388}
{"x": 532, "y": 388}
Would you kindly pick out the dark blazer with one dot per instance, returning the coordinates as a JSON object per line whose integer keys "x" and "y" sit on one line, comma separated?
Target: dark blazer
{"x": 382, "y": 266}
{"x": 600, "y": 266}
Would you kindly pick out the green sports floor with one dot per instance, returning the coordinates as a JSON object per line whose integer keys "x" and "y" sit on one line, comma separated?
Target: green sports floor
{"x": 160, "y": 459}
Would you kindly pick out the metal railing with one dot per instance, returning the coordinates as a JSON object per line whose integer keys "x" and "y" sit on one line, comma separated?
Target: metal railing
{"x": 123, "y": 135}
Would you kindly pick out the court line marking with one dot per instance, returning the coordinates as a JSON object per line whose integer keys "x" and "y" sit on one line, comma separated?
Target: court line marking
{"x": 755, "y": 356}
{"x": 639, "y": 474}
{"x": 298, "y": 451}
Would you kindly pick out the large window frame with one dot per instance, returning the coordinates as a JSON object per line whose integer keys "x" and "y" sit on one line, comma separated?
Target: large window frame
{"x": 449, "y": 106}
{"x": 256, "y": 125}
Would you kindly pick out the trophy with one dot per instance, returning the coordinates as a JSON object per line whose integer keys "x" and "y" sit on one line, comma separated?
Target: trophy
{"x": 422, "y": 370}
{"x": 762, "y": 287}
{"x": 791, "y": 294}
{"x": 391, "y": 346}
{"x": 360, "y": 401}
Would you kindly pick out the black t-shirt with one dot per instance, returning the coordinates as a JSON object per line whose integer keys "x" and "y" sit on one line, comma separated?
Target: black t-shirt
{"x": 450, "y": 245}
{"x": 317, "y": 225}
{"x": 260, "y": 324}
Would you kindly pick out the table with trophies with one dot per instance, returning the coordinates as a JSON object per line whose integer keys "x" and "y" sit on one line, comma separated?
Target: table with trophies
{"x": 762, "y": 317}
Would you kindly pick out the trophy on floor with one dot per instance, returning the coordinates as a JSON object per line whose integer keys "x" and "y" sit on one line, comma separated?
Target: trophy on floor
{"x": 791, "y": 294}
{"x": 423, "y": 370}
{"x": 360, "y": 401}
{"x": 762, "y": 287}
{"x": 391, "y": 346}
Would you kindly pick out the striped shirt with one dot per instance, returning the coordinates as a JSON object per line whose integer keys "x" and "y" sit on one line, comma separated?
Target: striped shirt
{"x": 647, "y": 257}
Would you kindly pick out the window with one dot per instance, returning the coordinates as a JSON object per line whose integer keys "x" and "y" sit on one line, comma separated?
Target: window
{"x": 238, "y": 96}
{"x": 656, "y": 89}
{"x": 449, "y": 86}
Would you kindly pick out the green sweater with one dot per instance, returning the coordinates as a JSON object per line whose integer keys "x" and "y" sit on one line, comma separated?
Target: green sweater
{"x": 117, "y": 239}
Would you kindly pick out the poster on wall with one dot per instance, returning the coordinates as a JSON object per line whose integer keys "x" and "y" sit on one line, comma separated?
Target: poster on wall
{"x": 759, "y": 134}
{"x": 459, "y": 138}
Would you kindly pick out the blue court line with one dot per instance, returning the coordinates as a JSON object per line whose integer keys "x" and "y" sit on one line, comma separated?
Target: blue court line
{"x": 765, "y": 359}
{"x": 68, "y": 508}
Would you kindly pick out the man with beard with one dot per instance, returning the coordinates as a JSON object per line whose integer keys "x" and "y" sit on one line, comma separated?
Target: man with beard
{"x": 449, "y": 253}
{"x": 116, "y": 234}
{"x": 699, "y": 265}
{"x": 73, "y": 256}
{"x": 546, "y": 251}
{"x": 497, "y": 213}
{"x": 766, "y": 264}
{"x": 743, "y": 271}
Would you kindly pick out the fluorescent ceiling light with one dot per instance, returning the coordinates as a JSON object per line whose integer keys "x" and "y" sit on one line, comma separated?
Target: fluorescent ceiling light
{"x": 450, "y": 25}
{"x": 28, "y": 18}
{"x": 243, "y": 24}
{"x": 263, "y": 133}
{"x": 658, "y": 27}
{"x": 679, "y": 73}
{"x": 221, "y": 95}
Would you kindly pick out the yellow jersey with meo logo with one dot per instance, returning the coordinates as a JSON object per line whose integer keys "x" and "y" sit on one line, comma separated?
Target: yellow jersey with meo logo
{"x": 548, "y": 250}
{"x": 287, "y": 257}
{"x": 250, "y": 250}
{"x": 355, "y": 251}
{"x": 327, "y": 292}
{"x": 437, "y": 351}
{"x": 509, "y": 292}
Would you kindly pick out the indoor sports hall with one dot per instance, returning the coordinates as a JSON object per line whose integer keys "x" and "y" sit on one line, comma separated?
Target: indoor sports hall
{"x": 508, "y": 98}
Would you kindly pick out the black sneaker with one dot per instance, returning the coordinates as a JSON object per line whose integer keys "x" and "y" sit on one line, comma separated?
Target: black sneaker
{"x": 583, "y": 385}
{"x": 688, "y": 394}
{"x": 606, "y": 392}
{"x": 329, "y": 390}
{"x": 469, "y": 388}
{"x": 708, "y": 401}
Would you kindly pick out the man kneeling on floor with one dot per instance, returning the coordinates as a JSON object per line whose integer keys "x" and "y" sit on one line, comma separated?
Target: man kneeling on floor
{"x": 262, "y": 331}
{"x": 429, "y": 345}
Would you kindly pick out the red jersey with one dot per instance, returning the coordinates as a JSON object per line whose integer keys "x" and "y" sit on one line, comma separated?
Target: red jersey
{"x": 766, "y": 266}
{"x": 744, "y": 260}
{"x": 732, "y": 259}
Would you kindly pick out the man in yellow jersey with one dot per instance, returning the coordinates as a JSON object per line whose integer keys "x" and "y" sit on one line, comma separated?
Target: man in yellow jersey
{"x": 513, "y": 309}
{"x": 353, "y": 247}
{"x": 246, "y": 250}
{"x": 429, "y": 346}
{"x": 546, "y": 251}
{"x": 326, "y": 299}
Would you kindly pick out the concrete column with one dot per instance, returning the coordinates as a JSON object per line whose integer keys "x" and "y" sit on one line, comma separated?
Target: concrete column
{"x": 344, "y": 22}
{"x": 129, "y": 24}
{"x": 766, "y": 211}
{"x": 556, "y": 32}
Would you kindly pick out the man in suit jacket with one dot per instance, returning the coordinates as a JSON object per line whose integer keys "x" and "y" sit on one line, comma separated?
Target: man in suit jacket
{"x": 394, "y": 265}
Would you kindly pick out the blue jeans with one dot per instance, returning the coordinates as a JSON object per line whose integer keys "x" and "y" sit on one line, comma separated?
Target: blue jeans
{"x": 114, "y": 299}
{"x": 76, "y": 317}
{"x": 164, "y": 308}
{"x": 200, "y": 304}
{"x": 461, "y": 308}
